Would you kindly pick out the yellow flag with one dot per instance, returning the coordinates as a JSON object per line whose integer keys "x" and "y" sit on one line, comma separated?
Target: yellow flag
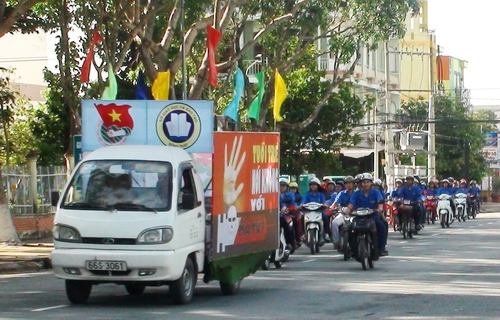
{"x": 161, "y": 86}
{"x": 280, "y": 94}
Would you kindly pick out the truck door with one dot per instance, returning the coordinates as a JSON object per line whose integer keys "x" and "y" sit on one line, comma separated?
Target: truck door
{"x": 191, "y": 212}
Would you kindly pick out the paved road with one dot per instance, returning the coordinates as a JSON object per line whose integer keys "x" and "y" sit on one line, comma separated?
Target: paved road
{"x": 442, "y": 274}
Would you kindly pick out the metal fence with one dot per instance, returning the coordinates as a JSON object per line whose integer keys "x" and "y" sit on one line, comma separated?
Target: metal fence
{"x": 16, "y": 182}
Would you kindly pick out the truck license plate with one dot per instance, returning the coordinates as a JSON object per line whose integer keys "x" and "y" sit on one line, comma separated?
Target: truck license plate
{"x": 106, "y": 265}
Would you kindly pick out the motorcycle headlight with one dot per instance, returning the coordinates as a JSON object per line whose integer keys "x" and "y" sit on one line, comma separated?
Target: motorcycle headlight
{"x": 156, "y": 235}
{"x": 66, "y": 233}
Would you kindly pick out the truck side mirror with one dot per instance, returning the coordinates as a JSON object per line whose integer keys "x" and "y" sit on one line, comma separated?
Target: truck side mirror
{"x": 188, "y": 201}
{"x": 54, "y": 198}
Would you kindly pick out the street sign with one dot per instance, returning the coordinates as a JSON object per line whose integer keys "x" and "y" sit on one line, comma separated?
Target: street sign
{"x": 77, "y": 148}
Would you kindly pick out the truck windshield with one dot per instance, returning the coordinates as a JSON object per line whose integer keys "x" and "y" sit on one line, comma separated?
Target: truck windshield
{"x": 120, "y": 185}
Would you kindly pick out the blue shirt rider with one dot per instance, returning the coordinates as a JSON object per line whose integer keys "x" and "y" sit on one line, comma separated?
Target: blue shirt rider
{"x": 413, "y": 193}
{"x": 315, "y": 194}
{"x": 366, "y": 197}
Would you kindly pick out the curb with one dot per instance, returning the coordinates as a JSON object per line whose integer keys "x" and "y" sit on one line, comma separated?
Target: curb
{"x": 25, "y": 266}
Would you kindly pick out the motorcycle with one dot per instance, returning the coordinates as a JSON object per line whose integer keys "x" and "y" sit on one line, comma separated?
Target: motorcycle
{"x": 280, "y": 255}
{"x": 364, "y": 229}
{"x": 474, "y": 206}
{"x": 391, "y": 208}
{"x": 313, "y": 222}
{"x": 430, "y": 209}
{"x": 461, "y": 206}
{"x": 344, "y": 236}
{"x": 408, "y": 223}
{"x": 444, "y": 210}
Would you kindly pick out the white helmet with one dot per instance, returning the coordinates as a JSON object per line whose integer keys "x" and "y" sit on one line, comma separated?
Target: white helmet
{"x": 284, "y": 181}
{"x": 377, "y": 182}
{"x": 366, "y": 176}
{"x": 315, "y": 181}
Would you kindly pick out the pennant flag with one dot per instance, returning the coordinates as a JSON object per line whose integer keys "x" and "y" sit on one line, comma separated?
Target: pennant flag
{"x": 213, "y": 37}
{"x": 232, "y": 109}
{"x": 141, "y": 89}
{"x": 254, "y": 109}
{"x": 161, "y": 86}
{"x": 280, "y": 94}
{"x": 111, "y": 90}
{"x": 85, "y": 69}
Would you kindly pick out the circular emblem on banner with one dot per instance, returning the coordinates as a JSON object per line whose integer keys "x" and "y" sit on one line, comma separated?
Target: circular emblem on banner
{"x": 178, "y": 125}
{"x": 113, "y": 135}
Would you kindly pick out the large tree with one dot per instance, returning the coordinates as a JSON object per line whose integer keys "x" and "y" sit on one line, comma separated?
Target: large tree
{"x": 16, "y": 16}
{"x": 459, "y": 134}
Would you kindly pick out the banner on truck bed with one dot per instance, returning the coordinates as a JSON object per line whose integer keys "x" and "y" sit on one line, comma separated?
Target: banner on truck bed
{"x": 186, "y": 124}
{"x": 245, "y": 193}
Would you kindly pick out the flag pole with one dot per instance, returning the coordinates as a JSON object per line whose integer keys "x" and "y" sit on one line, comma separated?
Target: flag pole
{"x": 183, "y": 54}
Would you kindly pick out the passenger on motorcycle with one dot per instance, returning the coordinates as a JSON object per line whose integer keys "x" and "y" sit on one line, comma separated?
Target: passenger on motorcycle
{"x": 412, "y": 193}
{"x": 341, "y": 201}
{"x": 330, "y": 193}
{"x": 446, "y": 188}
{"x": 287, "y": 203}
{"x": 395, "y": 192}
{"x": 474, "y": 190}
{"x": 377, "y": 185}
{"x": 297, "y": 223}
{"x": 315, "y": 194}
{"x": 431, "y": 189}
{"x": 340, "y": 186}
{"x": 366, "y": 197}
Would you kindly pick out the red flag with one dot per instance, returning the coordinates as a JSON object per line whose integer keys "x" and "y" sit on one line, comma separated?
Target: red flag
{"x": 213, "y": 37}
{"x": 115, "y": 115}
{"x": 85, "y": 69}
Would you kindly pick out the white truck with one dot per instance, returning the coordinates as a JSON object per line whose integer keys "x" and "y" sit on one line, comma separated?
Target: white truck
{"x": 153, "y": 215}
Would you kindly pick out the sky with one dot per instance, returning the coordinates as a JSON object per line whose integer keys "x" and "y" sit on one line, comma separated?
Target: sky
{"x": 469, "y": 30}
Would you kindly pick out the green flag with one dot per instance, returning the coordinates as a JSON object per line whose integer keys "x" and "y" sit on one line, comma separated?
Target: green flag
{"x": 111, "y": 90}
{"x": 254, "y": 110}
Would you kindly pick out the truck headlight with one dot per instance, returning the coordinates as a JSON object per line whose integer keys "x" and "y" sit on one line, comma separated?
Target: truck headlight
{"x": 156, "y": 235}
{"x": 66, "y": 233}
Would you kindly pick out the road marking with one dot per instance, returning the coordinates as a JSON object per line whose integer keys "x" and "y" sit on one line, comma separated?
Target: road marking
{"x": 311, "y": 260}
{"x": 49, "y": 308}
{"x": 435, "y": 234}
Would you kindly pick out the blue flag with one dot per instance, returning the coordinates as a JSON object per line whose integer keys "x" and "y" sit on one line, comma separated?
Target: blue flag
{"x": 141, "y": 89}
{"x": 232, "y": 109}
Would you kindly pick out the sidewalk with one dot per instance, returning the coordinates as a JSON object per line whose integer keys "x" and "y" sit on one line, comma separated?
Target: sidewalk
{"x": 33, "y": 256}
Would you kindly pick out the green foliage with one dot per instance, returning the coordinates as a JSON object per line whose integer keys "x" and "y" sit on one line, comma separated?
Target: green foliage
{"x": 314, "y": 148}
{"x": 455, "y": 132}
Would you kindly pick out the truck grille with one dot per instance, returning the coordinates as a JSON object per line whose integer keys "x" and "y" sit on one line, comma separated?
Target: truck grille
{"x": 119, "y": 241}
{"x": 110, "y": 273}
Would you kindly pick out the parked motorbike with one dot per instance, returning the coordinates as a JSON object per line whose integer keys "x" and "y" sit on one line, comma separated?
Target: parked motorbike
{"x": 430, "y": 209}
{"x": 444, "y": 210}
{"x": 313, "y": 222}
{"x": 364, "y": 229}
{"x": 461, "y": 206}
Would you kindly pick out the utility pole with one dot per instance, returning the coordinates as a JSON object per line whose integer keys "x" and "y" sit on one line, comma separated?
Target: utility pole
{"x": 431, "y": 138}
{"x": 389, "y": 157}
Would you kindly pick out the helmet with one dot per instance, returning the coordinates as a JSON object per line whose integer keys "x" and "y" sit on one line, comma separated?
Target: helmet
{"x": 473, "y": 182}
{"x": 315, "y": 181}
{"x": 330, "y": 182}
{"x": 284, "y": 181}
{"x": 463, "y": 181}
{"x": 365, "y": 176}
{"x": 349, "y": 179}
{"x": 450, "y": 179}
{"x": 340, "y": 182}
{"x": 410, "y": 177}
{"x": 294, "y": 184}
{"x": 399, "y": 180}
{"x": 358, "y": 177}
{"x": 445, "y": 181}
{"x": 423, "y": 184}
{"x": 377, "y": 182}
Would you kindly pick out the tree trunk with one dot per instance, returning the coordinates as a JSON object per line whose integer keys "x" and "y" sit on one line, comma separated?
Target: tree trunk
{"x": 7, "y": 230}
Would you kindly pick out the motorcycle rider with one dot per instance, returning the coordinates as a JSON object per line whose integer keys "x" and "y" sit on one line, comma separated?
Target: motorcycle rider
{"x": 340, "y": 186}
{"x": 315, "y": 194}
{"x": 394, "y": 193}
{"x": 474, "y": 190}
{"x": 446, "y": 188}
{"x": 377, "y": 185}
{"x": 431, "y": 188}
{"x": 297, "y": 216}
{"x": 463, "y": 188}
{"x": 366, "y": 197}
{"x": 330, "y": 190}
{"x": 341, "y": 201}
{"x": 412, "y": 193}
{"x": 287, "y": 200}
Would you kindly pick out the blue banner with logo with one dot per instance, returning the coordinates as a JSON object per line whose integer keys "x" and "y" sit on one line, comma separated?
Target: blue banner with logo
{"x": 491, "y": 139}
{"x": 185, "y": 124}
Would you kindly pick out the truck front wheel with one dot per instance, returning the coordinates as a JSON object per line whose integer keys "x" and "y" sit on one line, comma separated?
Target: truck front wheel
{"x": 78, "y": 291}
{"x": 182, "y": 289}
{"x": 230, "y": 289}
